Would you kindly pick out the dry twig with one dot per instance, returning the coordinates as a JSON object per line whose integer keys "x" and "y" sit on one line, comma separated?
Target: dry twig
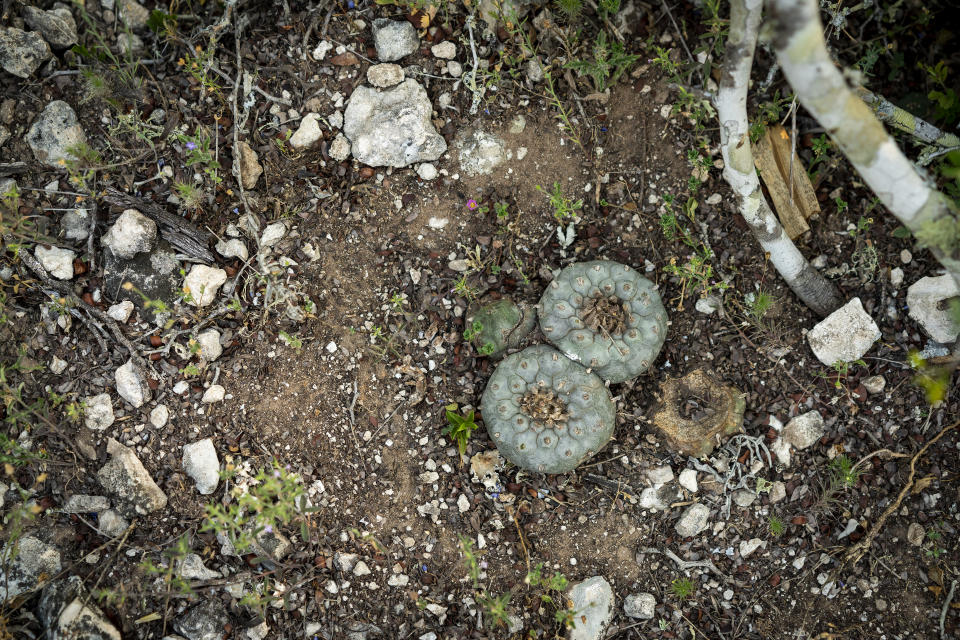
{"x": 856, "y": 552}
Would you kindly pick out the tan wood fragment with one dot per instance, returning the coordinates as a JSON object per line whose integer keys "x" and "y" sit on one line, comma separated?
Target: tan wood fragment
{"x": 804, "y": 197}
{"x": 790, "y": 217}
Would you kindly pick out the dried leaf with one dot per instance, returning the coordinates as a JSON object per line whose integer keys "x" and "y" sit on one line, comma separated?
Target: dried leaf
{"x": 922, "y": 484}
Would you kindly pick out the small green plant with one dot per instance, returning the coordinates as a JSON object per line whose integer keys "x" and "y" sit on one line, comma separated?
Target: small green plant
{"x": 463, "y": 289}
{"x": 841, "y": 371}
{"x": 502, "y": 211}
{"x": 865, "y": 257}
{"x": 843, "y": 472}
{"x": 190, "y": 195}
{"x": 682, "y": 588}
{"x": 197, "y": 148}
{"x": 696, "y": 273}
{"x": 776, "y": 525}
{"x": 291, "y": 340}
{"x": 459, "y": 427}
{"x": 571, "y": 9}
{"x": 200, "y": 68}
{"x": 609, "y": 62}
{"x": 931, "y": 547}
{"x": 944, "y": 96}
{"x": 758, "y": 304}
{"x": 821, "y": 148}
{"x": 564, "y": 208}
{"x": 274, "y": 498}
{"x": 767, "y": 114}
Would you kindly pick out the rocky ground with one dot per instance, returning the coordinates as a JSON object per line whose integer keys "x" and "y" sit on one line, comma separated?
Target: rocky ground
{"x": 241, "y": 247}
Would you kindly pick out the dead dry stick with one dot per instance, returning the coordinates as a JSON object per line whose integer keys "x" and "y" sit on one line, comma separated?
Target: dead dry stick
{"x": 946, "y": 606}
{"x": 856, "y": 552}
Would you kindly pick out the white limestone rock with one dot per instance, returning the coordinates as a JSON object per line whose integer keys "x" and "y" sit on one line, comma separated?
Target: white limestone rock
{"x": 201, "y": 463}
{"x": 203, "y": 283}
{"x": 804, "y": 430}
{"x": 33, "y": 561}
{"x": 22, "y": 52}
{"x": 308, "y": 133}
{"x": 125, "y": 477}
{"x": 132, "y": 385}
{"x": 445, "y": 50}
{"x": 392, "y": 127}
{"x": 693, "y": 520}
{"x": 209, "y": 342}
{"x": 927, "y": 299}
{"x": 394, "y": 39}
{"x": 385, "y": 75}
{"x": 98, "y": 412}
{"x": 56, "y": 260}
{"x": 845, "y": 335}
{"x": 53, "y": 133}
{"x": 132, "y": 233}
{"x": 214, "y": 393}
{"x": 640, "y": 605}
{"x": 592, "y": 599}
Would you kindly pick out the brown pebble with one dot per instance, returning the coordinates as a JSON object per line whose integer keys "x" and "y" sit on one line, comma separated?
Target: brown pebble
{"x": 347, "y": 59}
{"x": 156, "y": 341}
{"x": 366, "y": 173}
{"x": 774, "y": 580}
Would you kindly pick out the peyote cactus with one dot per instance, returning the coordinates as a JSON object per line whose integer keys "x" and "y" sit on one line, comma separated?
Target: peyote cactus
{"x": 606, "y": 316}
{"x": 545, "y": 412}
{"x": 496, "y": 326}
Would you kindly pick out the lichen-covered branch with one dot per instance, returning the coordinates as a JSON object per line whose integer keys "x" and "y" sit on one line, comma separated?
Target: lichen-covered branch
{"x": 821, "y": 88}
{"x": 905, "y": 121}
{"x": 731, "y": 102}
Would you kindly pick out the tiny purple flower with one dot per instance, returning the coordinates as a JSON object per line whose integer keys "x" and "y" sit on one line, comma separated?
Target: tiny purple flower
{"x": 268, "y": 529}
{"x": 472, "y": 204}
{"x": 191, "y": 145}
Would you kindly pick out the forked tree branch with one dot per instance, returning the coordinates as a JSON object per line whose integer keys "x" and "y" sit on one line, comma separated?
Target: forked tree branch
{"x": 731, "y": 102}
{"x": 822, "y": 90}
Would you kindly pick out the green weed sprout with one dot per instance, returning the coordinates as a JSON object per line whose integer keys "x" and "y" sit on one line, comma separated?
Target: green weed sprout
{"x": 682, "y": 588}
{"x": 609, "y": 62}
{"x": 275, "y": 499}
{"x": 564, "y": 208}
{"x": 777, "y": 526}
{"x": 460, "y": 427}
{"x": 843, "y": 472}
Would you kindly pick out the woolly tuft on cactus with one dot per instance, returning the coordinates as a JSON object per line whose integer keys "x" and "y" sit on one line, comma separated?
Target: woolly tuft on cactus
{"x": 545, "y": 412}
{"x": 606, "y": 316}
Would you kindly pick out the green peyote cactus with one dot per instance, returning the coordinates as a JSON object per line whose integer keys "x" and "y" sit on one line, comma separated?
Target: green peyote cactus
{"x": 606, "y": 316}
{"x": 545, "y": 412}
{"x": 496, "y": 326}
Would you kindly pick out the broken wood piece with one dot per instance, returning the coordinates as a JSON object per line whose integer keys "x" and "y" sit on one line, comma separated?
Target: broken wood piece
{"x": 790, "y": 217}
{"x": 804, "y": 197}
{"x": 176, "y": 230}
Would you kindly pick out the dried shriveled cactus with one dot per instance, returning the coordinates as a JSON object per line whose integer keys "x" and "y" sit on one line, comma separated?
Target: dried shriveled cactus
{"x": 545, "y": 412}
{"x": 697, "y": 412}
{"x": 494, "y": 327}
{"x": 606, "y": 316}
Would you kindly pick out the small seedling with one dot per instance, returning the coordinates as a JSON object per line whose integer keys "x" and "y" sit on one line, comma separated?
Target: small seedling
{"x": 843, "y": 472}
{"x": 564, "y": 208}
{"x": 460, "y": 427}
{"x": 682, "y": 588}
{"x": 777, "y": 526}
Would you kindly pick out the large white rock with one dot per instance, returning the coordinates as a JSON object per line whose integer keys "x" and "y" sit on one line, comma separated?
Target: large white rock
{"x": 202, "y": 283}
{"x": 209, "y": 342}
{"x": 54, "y": 132}
{"x": 592, "y": 599}
{"x": 22, "y": 52}
{"x": 392, "y": 127}
{"x": 67, "y": 611}
{"x": 201, "y": 463}
{"x": 121, "y": 311}
{"x": 394, "y": 39}
{"x": 82, "y": 503}
{"x": 112, "y": 524}
{"x": 927, "y": 301}
{"x": 132, "y": 233}
{"x": 307, "y": 133}
{"x": 845, "y": 335}
{"x": 32, "y": 562}
{"x": 57, "y": 261}
{"x": 159, "y": 416}
{"x": 125, "y": 477}
{"x": 804, "y": 430}
{"x": 233, "y": 248}
{"x": 693, "y": 520}
{"x": 273, "y": 234}
{"x": 132, "y": 385}
{"x": 98, "y": 412}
